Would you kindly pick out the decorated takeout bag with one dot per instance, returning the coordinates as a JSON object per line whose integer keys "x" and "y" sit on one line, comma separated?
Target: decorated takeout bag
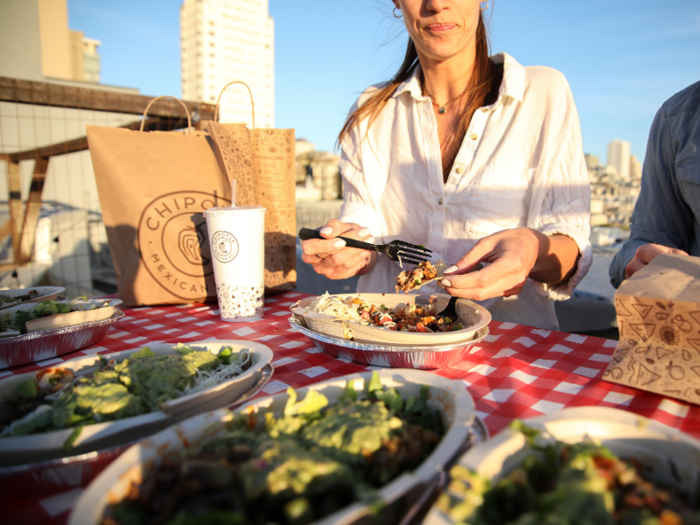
{"x": 658, "y": 316}
{"x": 260, "y": 162}
{"x": 153, "y": 188}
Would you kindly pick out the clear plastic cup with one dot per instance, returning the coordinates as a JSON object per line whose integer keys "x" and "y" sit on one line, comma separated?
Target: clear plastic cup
{"x": 237, "y": 242}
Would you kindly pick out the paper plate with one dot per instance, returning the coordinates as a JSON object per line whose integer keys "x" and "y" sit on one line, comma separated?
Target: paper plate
{"x": 472, "y": 315}
{"x": 44, "y": 293}
{"x": 670, "y": 457}
{"x": 17, "y": 450}
{"x": 449, "y": 397}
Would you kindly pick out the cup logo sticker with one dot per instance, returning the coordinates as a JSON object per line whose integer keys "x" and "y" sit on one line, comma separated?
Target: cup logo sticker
{"x": 225, "y": 246}
{"x": 174, "y": 245}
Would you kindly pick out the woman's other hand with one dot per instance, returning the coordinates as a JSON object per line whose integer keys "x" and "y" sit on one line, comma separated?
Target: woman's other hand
{"x": 645, "y": 254}
{"x": 330, "y": 256}
{"x": 514, "y": 255}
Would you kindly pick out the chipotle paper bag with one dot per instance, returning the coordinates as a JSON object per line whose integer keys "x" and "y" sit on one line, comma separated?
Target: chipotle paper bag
{"x": 262, "y": 164}
{"x": 658, "y": 315}
{"x": 153, "y": 188}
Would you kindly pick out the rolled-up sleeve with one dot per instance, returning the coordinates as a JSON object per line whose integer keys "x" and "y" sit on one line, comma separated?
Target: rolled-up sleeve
{"x": 566, "y": 206}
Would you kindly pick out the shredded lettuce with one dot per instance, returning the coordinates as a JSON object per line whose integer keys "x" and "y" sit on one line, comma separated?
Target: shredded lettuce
{"x": 144, "y": 352}
{"x": 313, "y": 402}
{"x": 344, "y": 309}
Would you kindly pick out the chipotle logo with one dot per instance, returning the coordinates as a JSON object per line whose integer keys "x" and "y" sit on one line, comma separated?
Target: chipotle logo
{"x": 225, "y": 246}
{"x": 173, "y": 244}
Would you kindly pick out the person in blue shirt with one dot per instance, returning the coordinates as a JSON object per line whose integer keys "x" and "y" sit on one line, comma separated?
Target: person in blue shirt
{"x": 667, "y": 213}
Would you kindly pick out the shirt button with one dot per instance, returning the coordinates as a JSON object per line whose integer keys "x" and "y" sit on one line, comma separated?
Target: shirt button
{"x": 474, "y": 136}
{"x": 440, "y": 202}
{"x": 459, "y": 170}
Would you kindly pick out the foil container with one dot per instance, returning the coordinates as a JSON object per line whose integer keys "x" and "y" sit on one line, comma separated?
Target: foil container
{"x": 45, "y": 344}
{"x": 421, "y": 357}
{"x": 58, "y": 475}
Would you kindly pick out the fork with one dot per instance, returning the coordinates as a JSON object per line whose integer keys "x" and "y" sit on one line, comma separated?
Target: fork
{"x": 450, "y": 310}
{"x": 396, "y": 250}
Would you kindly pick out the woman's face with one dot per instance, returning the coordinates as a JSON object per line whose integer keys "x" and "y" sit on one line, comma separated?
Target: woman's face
{"x": 441, "y": 29}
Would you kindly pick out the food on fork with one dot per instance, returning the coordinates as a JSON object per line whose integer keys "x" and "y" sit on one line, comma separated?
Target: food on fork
{"x": 424, "y": 273}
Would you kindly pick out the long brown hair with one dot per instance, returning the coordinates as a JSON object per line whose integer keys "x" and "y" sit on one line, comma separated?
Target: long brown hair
{"x": 480, "y": 84}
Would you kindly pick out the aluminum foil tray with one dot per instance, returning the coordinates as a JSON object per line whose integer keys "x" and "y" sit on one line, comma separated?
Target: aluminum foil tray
{"x": 422, "y": 357}
{"x": 58, "y": 475}
{"x": 37, "y": 346}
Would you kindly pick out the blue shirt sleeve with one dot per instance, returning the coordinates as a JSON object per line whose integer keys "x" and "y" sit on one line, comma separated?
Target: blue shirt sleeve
{"x": 661, "y": 215}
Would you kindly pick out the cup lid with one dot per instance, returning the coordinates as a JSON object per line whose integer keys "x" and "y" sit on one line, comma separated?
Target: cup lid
{"x": 228, "y": 209}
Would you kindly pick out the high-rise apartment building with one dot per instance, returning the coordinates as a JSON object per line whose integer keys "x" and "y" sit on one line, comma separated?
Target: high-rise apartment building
{"x": 635, "y": 168}
{"x": 619, "y": 157}
{"x": 592, "y": 161}
{"x": 37, "y": 44}
{"x": 226, "y": 40}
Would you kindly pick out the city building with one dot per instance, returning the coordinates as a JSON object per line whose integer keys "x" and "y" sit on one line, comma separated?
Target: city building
{"x": 592, "y": 161}
{"x": 635, "y": 169}
{"x": 91, "y": 58}
{"x": 317, "y": 174}
{"x": 37, "y": 44}
{"x": 223, "y": 41}
{"x": 619, "y": 157}
{"x": 612, "y": 196}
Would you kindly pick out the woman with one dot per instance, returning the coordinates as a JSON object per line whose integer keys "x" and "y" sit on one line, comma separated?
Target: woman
{"x": 475, "y": 157}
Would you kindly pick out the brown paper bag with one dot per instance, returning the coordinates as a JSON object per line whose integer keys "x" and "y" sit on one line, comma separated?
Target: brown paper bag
{"x": 262, "y": 164}
{"x": 658, "y": 315}
{"x": 153, "y": 188}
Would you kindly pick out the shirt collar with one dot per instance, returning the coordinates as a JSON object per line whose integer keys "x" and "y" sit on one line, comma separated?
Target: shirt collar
{"x": 512, "y": 85}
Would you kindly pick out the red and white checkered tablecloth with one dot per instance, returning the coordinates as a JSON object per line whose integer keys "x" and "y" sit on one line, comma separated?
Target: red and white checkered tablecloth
{"x": 517, "y": 372}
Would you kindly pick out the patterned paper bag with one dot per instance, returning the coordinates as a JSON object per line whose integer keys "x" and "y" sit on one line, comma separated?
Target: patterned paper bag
{"x": 261, "y": 161}
{"x": 658, "y": 315}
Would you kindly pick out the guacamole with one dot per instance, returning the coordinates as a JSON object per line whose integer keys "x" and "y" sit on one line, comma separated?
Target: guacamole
{"x": 306, "y": 463}
{"x": 568, "y": 484}
{"x": 55, "y": 399}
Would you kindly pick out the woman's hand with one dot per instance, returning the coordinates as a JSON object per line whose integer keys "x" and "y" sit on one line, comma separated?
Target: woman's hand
{"x": 514, "y": 255}
{"x": 645, "y": 254}
{"x": 330, "y": 256}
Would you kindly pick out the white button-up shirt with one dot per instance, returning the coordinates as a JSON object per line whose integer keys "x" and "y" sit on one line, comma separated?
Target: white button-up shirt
{"x": 520, "y": 164}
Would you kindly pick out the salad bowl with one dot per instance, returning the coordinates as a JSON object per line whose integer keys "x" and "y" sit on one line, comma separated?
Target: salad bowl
{"x": 20, "y": 449}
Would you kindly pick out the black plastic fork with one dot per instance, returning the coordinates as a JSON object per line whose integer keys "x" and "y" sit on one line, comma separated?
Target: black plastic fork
{"x": 399, "y": 251}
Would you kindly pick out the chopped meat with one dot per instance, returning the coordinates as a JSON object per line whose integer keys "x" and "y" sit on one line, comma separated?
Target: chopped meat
{"x": 415, "y": 278}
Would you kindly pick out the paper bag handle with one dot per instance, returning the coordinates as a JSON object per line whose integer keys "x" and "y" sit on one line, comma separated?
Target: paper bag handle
{"x": 252, "y": 104}
{"x": 187, "y": 111}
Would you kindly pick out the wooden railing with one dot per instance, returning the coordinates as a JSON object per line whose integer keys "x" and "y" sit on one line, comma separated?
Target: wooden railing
{"x": 164, "y": 115}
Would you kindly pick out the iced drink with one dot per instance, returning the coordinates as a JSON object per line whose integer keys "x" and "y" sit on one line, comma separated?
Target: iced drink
{"x": 237, "y": 242}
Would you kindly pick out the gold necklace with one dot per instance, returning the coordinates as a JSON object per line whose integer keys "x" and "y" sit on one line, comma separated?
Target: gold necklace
{"x": 442, "y": 108}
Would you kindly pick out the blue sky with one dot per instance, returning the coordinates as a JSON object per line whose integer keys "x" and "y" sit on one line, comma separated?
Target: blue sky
{"x": 622, "y": 58}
